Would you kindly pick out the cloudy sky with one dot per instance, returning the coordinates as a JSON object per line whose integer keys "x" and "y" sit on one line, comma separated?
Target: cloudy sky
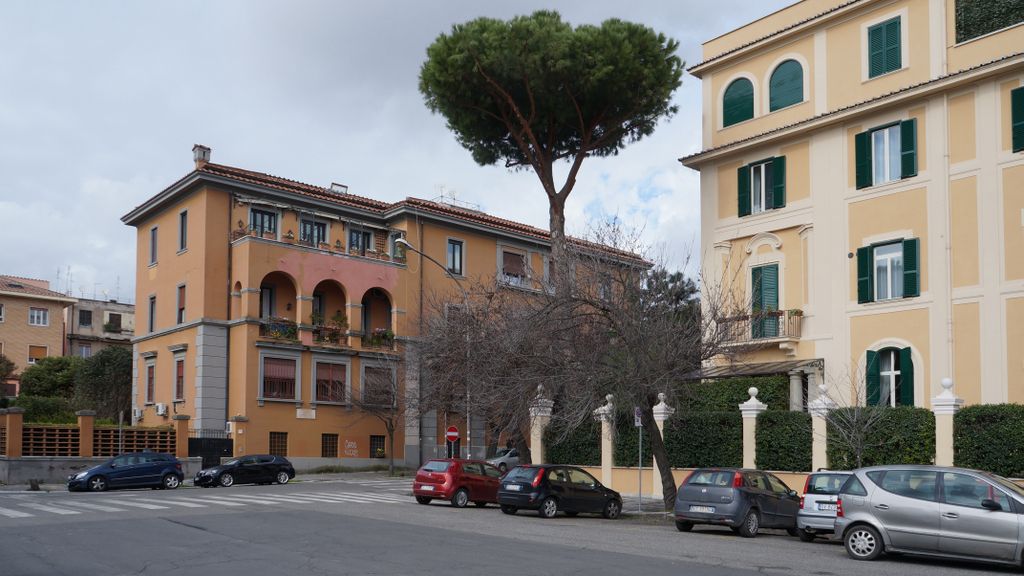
{"x": 101, "y": 102}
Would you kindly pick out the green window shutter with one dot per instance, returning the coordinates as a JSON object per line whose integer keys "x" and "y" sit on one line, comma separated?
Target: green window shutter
{"x": 885, "y": 52}
{"x": 908, "y": 148}
{"x": 756, "y": 303}
{"x": 786, "y": 86}
{"x": 911, "y": 268}
{"x": 770, "y": 299}
{"x": 778, "y": 182}
{"x": 862, "y": 147}
{"x": 872, "y": 378}
{"x": 738, "y": 102}
{"x": 876, "y": 50}
{"x": 893, "y": 48}
{"x": 743, "y": 190}
{"x": 865, "y": 280}
{"x": 1017, "y": 115}
{"x": 906, "y": 378}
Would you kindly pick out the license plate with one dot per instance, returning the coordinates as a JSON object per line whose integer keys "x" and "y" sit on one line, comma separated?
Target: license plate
{"x": 706, "y": 509}
{"x": 827, "y": 507}
{"x": 427, "y": 488}
{"x": 513, "y": 487}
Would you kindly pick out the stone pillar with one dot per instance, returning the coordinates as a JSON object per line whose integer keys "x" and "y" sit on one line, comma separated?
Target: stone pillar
{"x": 662, "y": 411}
{"x": 945, "y": 406}
{"x": 750, "y": 410}
{"x": 238, "y": 423}
{"x": 540, "y": 417}
{"x": 180, "y": 435}
{"x": 819, "y": 408}
{"x": 86, "y": 425}
{"x": 15, "y": 423}
{"x": 796, "y": 390}
{"x": 606, "y": 413}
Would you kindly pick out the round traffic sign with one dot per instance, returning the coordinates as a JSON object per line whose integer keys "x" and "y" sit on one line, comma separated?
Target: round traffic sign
{"x": 452, "y": 434}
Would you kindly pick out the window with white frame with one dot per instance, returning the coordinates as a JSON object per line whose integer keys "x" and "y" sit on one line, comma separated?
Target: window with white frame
{"x": 179, "y": 378}
{"x": 85, "y": 350}
{"x": 513, "y": 268}
{"x": 179, "y": 317}
{"x": 152, "y": 245}
{"x": 889, "y": 271}
{"x": 885, "y": 155}
{"x": 150, "y": 382}
{"x": 183, "y": 231}
{"x": 888, "y": 376}
{"x": 37, "y": 353}
{"x": 152, "y": 314}
{"x": 760, "y": 187}
{"x": 38, "y": 317}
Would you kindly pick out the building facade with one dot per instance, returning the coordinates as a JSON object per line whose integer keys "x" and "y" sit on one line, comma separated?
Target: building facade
{"x": 31, "y": 323}
{"x": 862, "y": 194}
{"x": 93, "y": 325}
{"x": 271, "y": 308}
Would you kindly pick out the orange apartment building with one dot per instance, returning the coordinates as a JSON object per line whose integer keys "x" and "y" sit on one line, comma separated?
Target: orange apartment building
{"x": 263, "y": 305}
{"x": 31, "y": 323}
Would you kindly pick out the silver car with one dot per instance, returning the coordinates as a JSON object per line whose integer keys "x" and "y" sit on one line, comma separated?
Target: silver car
{"x": 817, "y": 514}
{"x": 505, "y": 459}
{"x": 932, "y": 511}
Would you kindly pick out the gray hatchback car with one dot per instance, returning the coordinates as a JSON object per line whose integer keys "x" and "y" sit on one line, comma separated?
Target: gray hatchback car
{"x": 932, "y": 511}
{"x": 743, "y": 500}
{"x": 817, "y": 515}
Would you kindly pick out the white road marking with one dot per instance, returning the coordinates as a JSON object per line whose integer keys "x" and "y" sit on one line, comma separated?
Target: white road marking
{"x": 176, "y": 502}
{"x": 14, "y": 513}
{"x": 136, "y": 504}
{"x": 94, "y": 506}
{"x": 51, "y": 509}
{"x": 215, "y": 500}
{"x": 243, "y": 498}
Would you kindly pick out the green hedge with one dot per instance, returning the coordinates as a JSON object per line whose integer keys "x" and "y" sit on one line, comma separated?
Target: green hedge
{"x": 784, "y": 440}
{"x": 990, "y": 437}
{"x": 582, "y": 446}
{"x": 46, "y": 410}
{"x": 625, "y": 445}
{"x": 704, "y": 439}
{"x": 726, "y": 395}
{"x": 979, "y": 17}
{"x": 903, "y": 435}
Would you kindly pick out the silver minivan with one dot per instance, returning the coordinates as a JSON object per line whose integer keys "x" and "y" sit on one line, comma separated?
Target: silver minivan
{"x": 932, "y": 511}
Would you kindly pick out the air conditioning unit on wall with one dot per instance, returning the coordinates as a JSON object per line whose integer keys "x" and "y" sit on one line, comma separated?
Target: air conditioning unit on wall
{"x": 137, "y": 413}
{"x": 161, "y": 409}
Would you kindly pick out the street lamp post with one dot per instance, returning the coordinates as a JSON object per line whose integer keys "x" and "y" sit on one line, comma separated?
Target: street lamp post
{"x": 465, "y": 300}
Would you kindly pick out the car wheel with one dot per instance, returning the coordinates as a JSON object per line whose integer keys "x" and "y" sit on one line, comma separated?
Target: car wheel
{"x": 226, "y": 480}
{"x": 480, "y": 504}
{"x": 282, "y": 477}
{"x": 170, "y": 482}
{"x": 793, "y": 531}
{"x": 509, "y": 509}
{"x": 863, "y": 542}
{"x": 503, "y": 467}
{"x": 612, "y": 509}
{"x": 548, "y": 508}
{"x": 97, "y": 483}
{"x": 751, "y": 524}
{"x": 423, "y": 499}
{"x": 684, "y": 526}
{"x": 460, "y": 498}
{"x": 806, "y": 536}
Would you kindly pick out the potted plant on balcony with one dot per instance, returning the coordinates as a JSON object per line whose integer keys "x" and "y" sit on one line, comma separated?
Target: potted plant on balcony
{"x": 324, "y": 245}
{"x": 269, "y": 234}
{"x": 339, "y": 320}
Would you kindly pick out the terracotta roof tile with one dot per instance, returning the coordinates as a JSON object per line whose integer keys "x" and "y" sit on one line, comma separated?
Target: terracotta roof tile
{"x": 21, "y": 285}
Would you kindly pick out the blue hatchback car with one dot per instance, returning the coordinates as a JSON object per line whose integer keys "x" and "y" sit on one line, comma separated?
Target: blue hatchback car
{"x": 136, "y": 470}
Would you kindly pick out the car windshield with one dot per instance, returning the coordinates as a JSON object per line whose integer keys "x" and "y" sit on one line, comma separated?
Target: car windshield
{"x": 436, "y": 466}
{"x": 826, "y": 483}
{"x": 231, "y": 462}
{"x": 1011, "y": 486}
{"x": 711, "y": 478}
{"x": 521, "y": 474}
{"x": 502, "y": 452}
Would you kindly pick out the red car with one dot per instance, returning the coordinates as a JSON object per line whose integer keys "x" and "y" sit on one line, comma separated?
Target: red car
{"x": 459, "y": 481}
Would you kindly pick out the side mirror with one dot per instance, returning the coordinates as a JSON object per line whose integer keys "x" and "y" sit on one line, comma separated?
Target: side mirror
{"x": 792, "y": 493}
{"x": 990, "y": 504}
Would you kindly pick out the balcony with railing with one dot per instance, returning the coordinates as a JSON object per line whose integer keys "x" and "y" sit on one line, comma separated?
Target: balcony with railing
{"x": 279, "y": 329}
{"x": 762, "y": 329}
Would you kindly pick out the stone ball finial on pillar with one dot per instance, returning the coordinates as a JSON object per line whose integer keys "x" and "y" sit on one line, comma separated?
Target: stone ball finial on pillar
{"x": 753, "y": 392}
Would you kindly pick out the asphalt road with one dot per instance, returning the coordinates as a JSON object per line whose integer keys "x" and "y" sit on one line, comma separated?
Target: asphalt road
{"x": 366, "y": 524}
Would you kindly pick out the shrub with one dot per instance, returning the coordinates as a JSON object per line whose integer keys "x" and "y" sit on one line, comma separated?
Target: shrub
{"x": 704, "y": 439}
{"x": 990, "y": 437}
{"x": 784, "y": 440}
{"x": 580, "y": 446}
{"x": 904, "y": 435}
{"x": 726, "y": 395}
{"x": 46, "y": 410}
{"x": 625, "y": 446}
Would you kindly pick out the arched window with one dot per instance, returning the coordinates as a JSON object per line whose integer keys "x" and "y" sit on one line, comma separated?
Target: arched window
{"x": 890, "y": 377}
{"x": 786, "y": 86}
{"x": 738, "y": 102}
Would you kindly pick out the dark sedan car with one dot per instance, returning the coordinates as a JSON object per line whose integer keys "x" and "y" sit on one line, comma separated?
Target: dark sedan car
{"x": 550, "y": 489}
{"x": 137, "y": 470}
{"x": 252, "y": 469}
{"x": 744, "y": 500}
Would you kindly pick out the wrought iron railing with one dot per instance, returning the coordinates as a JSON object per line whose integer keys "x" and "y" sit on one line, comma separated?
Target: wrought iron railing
{"x": 763, "y": 325}
{"x": 279, "y": 328}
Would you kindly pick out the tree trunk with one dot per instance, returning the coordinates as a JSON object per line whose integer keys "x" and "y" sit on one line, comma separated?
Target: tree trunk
{"x": 668, "y": 482}
{"x": 391, "y": 450}
{"x": 558, "y": 268}
{"x": 523, "y": 447}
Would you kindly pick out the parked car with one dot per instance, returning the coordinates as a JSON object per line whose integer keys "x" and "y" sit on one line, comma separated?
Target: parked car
{"x": 550, "y": 489}
{"x": 933, "y": 511}
{"x": 135, "y": 470}
{"x": 743, "y": 500}
{"x": 458, "y": 481}
{"x": 505, "y": 458}
{"x": 251, "y": 469}
{"x": 817, "y": 514}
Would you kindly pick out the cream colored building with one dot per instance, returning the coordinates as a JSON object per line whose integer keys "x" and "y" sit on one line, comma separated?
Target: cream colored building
{"x": 863, "y": 175}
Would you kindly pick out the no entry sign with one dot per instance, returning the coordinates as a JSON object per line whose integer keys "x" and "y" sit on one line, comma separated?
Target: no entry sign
{"x": 452, "y": 434}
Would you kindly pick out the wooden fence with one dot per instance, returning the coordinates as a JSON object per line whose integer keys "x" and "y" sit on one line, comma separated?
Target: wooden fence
{"x": 86, "y": 440}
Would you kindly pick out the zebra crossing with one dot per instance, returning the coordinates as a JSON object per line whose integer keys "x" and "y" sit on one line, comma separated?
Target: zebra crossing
{"x": 389, "y": 484}
{"x": 18, "y": 508}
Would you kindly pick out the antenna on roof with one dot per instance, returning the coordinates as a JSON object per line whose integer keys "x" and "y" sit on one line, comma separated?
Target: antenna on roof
{"x": 449, "y": 197}
{"x": 338, "y": 188}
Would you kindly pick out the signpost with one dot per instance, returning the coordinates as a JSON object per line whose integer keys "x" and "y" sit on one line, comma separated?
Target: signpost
{"x": 451, "y": 436}
{"x": 638, "y": 422}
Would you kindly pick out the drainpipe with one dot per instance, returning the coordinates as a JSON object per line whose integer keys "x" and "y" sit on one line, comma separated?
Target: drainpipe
{"x": 227, "y": 336}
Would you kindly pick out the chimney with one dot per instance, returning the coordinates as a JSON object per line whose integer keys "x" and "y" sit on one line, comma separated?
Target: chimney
{"x": 201, "y": 154}
{"x": 339, "y": 188}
